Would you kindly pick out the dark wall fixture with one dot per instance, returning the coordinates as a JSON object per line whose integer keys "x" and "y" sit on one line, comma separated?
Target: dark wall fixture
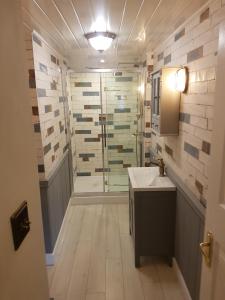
{"x": 20, "y": 224}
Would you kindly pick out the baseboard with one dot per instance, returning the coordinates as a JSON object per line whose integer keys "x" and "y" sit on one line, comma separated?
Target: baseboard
{"x": 51, "y": 257}
{"x": 118, "y": 199}
{"x": 181, "y": 280}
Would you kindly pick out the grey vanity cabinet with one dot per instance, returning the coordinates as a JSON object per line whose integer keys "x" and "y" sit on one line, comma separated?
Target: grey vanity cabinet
{"x": 152, "y": 223}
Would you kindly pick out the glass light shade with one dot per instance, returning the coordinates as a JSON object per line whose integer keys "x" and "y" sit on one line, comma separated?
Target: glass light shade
{"x": 100, "y": 41}
{"x": 181, "y": 80}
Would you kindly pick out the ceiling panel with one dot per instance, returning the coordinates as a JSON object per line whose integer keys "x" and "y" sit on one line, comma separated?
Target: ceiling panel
{"x": 139, "y": 24}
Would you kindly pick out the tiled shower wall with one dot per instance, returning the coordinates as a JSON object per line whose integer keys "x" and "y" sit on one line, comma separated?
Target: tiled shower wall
{"x": 119, "y": 106}
{"x": 50, "y": 101}
{"x": 195, "y": 45}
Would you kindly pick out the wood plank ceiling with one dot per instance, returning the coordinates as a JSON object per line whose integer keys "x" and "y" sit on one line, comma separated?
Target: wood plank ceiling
{"x": 139, "y": 25}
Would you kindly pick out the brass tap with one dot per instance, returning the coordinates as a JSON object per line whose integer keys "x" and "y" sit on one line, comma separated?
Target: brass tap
{"x": 161, "y": 165}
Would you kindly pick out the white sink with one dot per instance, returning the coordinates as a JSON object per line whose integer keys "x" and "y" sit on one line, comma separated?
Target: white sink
{"x": 148, "y": 179}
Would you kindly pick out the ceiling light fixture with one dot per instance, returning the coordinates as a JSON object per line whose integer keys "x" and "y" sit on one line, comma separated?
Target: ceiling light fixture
{"x": 101, "y": 40}
{"x": 102, "y": 61}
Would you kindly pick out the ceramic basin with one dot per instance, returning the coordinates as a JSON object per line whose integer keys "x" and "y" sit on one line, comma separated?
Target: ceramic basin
{"x": 148, "y": 179}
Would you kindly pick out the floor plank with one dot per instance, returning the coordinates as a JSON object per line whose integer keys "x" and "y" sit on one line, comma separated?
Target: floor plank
{"x": 96, "y": 296}
{"x": 96, "y": 278}
{"x": 114, "y": 279}
{"x": 95, "y": 260}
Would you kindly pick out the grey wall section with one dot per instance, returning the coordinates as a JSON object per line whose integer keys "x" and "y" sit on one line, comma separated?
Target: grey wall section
{"x": 189, "y": 233}
{"x": 55, "y": 195}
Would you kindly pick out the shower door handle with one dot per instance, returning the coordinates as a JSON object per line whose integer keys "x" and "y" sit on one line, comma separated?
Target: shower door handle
{"x": 104, "y": 134}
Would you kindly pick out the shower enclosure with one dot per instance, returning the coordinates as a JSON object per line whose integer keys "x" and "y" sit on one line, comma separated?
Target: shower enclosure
{"x": 105, "y": 113}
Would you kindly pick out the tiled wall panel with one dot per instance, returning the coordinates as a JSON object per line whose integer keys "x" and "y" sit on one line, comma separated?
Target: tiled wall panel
{"x": 119, "y": 107}
{"x": 194, "y": 45}
{"x": 51, "y": 103}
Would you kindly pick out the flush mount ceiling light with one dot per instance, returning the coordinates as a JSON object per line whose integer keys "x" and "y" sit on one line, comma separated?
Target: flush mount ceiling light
{"x": 100, "y": 40}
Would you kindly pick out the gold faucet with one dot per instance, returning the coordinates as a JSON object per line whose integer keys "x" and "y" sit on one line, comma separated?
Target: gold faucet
{"x": 160, "y": 163}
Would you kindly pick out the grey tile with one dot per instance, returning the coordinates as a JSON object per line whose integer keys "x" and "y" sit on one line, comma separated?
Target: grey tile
{"x": 83, "y": 84}
{"x": 122, "y": 110}
{"x": 195, "y": 54}
{"x": 50, "y": 130}
{"x": 47, "y": 148}
{"x": 121, "y": 97}
{"x": 53, "y": 85}
{"x": 147, "y": 135}
{"x": 121, "y": 127}
{"x": 179, "y": 34}
{"x": 115, "y": 147}
{"x": 83, "y": 173}
{"x": 115, "y": 162}
{"x": 102, "y": 170}
{"x": 56, "y": 113}
{"x": 90, "y": 93}
{"x": 160, "y": 56}
{"x": 123, "y": 79}
{"x": 61, "y": 126}
{"x": 83, "y": 131}
{"x": 104, "y": 123}
{"x": 206, "y": 147}
{"x": 118, "y": 74}
{"x": 108, "y": 135}
{"x": 167, "y": 59}
{"x": 193, "y": 151}
{"x": 84, "y": 119}
{"x": 168, "y": 150}
{"x": 199, "y": 186}
{"x": 36, "y": 40}
{"x": 43, "y": 68}
{"x": 126, "y": 150}
{"x": 66, "y": 147}
{"x": 92, "y": 106}
{"x": 204, "y": 15}
{"x": 41, "y": 93}
{"x": 184, "y": 117}
{"x": 37, "y": 127}
{"x": 53, "y": 59}
{"x": 48, "y": 108}
{"x": 92, "y": 140}
{"x": 127, "y": 166}
{"x": 56, "y": 147}
{"x": 158, "y": 148}
{"x": 86, "y": 155}
{"x": 77, "y": 116}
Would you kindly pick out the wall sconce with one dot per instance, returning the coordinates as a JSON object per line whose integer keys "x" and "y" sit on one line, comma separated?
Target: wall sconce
{"x": 181, "y": 79}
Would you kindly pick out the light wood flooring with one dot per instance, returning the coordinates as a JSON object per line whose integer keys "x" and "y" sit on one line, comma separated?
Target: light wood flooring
{"x": 94, "y": 260}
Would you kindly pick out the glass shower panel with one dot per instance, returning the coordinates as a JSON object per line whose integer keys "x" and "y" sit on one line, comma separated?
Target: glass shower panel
{"x": 120, "y": 108}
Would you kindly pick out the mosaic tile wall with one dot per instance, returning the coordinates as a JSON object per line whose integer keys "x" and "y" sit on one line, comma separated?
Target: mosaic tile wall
{"x": 119, "y": 107}
{"x": 194, "y": 45}
{"x": 51, "y": 105}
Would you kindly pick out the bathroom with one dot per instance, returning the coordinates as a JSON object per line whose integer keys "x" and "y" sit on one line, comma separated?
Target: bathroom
{"x": 106, "y": 123}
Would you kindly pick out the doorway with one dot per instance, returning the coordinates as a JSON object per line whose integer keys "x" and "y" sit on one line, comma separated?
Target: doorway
{"x": 105, "y": 110}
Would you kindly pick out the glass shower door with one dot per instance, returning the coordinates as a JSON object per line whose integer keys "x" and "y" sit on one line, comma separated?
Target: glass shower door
{"x": 120, "y": 111}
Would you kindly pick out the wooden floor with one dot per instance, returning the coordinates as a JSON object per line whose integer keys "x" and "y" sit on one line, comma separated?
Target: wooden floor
{"x": 95, "y": 260}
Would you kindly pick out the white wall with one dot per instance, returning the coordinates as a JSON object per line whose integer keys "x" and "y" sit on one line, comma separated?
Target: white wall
{"x": 22, "y": 273}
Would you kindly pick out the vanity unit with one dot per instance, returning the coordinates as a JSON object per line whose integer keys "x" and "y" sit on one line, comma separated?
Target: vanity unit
{"x": 152, "y": 210}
